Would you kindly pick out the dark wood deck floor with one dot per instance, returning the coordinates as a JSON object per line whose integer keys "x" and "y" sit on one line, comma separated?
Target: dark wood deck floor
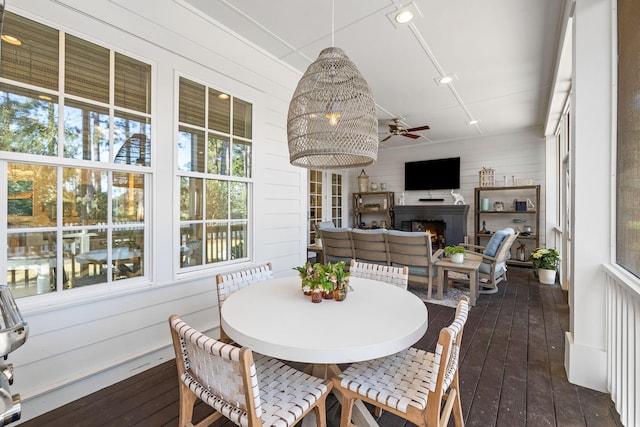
{"x": 511, "y": 372}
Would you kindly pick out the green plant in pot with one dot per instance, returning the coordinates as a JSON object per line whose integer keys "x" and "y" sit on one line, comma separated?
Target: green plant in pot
{"x": 545, "y": 262}
{"x": 339, "y": 279}
{"x": 456, "y": 253}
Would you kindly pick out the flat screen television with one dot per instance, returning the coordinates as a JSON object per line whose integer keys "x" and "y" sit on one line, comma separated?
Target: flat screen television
{"x": 437, "y": 174}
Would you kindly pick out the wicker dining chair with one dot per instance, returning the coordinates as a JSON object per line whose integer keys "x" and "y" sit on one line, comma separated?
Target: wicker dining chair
{"x": 398, "y": 276}
{"x": 247, "y": 391}
{"x": 412, "y": 383}
{"x": 229, "y": 283}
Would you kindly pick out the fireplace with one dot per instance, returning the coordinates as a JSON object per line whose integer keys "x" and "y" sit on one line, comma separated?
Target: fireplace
{"x": 436, "y": 228}
{"x": 453, "y": 217}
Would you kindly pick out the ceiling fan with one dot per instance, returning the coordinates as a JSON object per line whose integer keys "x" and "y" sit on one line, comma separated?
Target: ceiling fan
{"x": 396, "y": 128}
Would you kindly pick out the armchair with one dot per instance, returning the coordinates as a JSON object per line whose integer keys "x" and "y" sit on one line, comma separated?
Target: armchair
{"x": 494, "y": 259}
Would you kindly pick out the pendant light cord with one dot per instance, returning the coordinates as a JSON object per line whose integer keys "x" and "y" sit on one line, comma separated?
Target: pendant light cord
{"x": 333, "y": 22}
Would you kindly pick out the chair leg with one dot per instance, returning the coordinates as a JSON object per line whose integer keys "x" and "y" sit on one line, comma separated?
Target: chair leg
{"x": 321, "y": 413}
{"x": 458, "y": 420}
{"x": 347, "y": 411}
{"x": 187, "y": 400}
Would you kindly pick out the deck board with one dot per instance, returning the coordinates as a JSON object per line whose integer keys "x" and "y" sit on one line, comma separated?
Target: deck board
{"x": 511, "y": 372}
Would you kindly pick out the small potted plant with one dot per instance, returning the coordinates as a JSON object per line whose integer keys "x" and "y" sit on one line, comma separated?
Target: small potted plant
{"x": 306, "y": 273}
{"x": 339, "y": 278}
{"x": 456, "y": 253}
{"x": 545, "y": 262}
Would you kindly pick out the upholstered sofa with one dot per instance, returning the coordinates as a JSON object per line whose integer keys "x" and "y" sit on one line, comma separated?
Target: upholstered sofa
{"x": 380, "y": 246}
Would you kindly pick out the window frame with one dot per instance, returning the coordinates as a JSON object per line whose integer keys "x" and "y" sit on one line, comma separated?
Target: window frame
{"x": 61, "y": 162}
{"x": 207, "y": 130}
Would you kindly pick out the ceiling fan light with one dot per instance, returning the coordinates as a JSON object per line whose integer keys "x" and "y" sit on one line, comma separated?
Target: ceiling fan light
{"x": 404, "y": 17}
{"x": 473, "y": 122}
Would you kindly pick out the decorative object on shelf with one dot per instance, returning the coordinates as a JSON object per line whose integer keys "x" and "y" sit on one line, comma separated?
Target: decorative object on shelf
{"x": 363, "y": 182}
{"x": 530, "y": 205}
{"x": 525, "y": 181}
{"x": 383, "y": 186}
{"x": 521, "y": 251}
{"x": 401, "y": 199}
{"x": 521, "y": 206}
{"x": 457, "y": 198}
{"x": 487, "y": 177}
{"x": 544, "y": 262}
{"x": 332, "y": 121}
{"x": 456, "y": 253}
{"x": 498, "y": 206}
{"x": 484, "y": 205}
{"x": 374, "y": 186}
{"x": 484, "y": 228}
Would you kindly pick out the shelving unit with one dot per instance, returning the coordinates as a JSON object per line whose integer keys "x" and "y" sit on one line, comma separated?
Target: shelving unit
{"x": 518, "y": 216}
{"x": 373, "y": 208}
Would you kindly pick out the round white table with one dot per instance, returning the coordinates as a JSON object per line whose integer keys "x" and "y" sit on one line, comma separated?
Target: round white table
{"x": 275, "y": 318}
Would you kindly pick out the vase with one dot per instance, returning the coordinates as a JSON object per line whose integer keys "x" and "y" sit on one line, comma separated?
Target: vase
{"x": 340, "y": 294}
{"x": 316, "y": 296}
{"x": 327, "y": 294}
{"x": 457, "y": 258}
{"x": 546, "y": 277}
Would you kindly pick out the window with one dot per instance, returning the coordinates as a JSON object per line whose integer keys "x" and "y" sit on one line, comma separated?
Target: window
{"x": 77, "y": 122}
{"x": 215, "y": 174}
{"x": 325, "y": 200}
{"x": 628, "y": 155}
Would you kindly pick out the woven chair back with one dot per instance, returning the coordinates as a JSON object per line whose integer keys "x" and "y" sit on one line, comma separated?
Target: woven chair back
{"x": 398, "y": 276}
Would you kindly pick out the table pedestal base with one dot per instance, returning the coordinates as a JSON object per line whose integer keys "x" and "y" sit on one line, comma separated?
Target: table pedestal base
{"x": 360, "y": 416}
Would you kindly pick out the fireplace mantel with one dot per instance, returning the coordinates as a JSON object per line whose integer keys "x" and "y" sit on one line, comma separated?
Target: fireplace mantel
{"x": 455, "y": 216}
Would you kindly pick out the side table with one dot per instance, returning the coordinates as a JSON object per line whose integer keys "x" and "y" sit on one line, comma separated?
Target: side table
{"x": 319, "y": 251}
{"x": 469, "y": 267}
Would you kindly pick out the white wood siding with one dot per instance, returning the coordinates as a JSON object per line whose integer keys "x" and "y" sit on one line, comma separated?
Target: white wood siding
{"x": 520, "y": 155}
{"x": 88, "y": 338}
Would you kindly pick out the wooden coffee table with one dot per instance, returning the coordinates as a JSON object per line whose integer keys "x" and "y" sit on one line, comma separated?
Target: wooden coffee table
{"x": 469, "y": 267}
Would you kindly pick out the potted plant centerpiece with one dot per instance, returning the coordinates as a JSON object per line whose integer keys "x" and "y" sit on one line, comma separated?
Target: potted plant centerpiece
{"x": 314, "y": 281}
{"x": 339, "y": 278}
{"x": 545, "y": 262}
{"x": 456, "y": 253}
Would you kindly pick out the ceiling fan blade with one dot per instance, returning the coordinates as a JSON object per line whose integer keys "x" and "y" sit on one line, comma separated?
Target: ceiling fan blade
{"x": 425, "y": 127}
{"x": 386, "y": 138}
{"x": 411, "y": 135}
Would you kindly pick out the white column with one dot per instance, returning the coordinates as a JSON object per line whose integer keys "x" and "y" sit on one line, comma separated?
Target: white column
{"x": 585, "y": 352}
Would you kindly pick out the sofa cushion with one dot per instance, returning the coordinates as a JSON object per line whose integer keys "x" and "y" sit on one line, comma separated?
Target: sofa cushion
{"x": 494, "y": 243}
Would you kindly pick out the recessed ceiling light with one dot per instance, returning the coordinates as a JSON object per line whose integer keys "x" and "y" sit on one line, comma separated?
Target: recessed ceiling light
{"x": 473, "y": 122}
{"x": 44, "y": 97}
{"x": 445, "y": 80}
{"x": 404, "y": 16}
{"x": 11, "y": 40}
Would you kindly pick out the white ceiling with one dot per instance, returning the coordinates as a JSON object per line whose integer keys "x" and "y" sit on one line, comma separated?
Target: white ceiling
{"x": 502, "y": 52}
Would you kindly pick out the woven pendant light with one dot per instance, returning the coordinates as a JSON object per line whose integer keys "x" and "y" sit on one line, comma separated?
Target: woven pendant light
{"x": 332, "y": 121}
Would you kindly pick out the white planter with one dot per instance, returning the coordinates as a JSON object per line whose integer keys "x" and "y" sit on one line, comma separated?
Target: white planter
{"x": 546, "y": 277}
{"x": 457, "y": 258}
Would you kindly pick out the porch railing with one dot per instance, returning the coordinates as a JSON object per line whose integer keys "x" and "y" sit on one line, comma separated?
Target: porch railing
{"x": 623, "y": 342}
